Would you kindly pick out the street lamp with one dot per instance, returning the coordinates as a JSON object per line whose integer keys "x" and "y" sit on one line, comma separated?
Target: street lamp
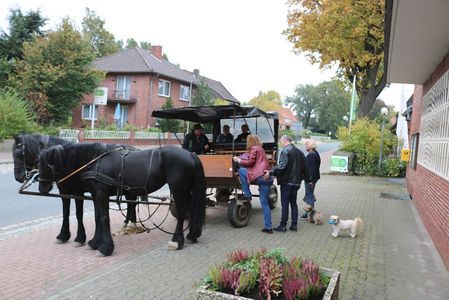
{"x": 384, "y": 113}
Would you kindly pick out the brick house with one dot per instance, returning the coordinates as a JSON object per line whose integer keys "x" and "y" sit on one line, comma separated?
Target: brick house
{"x": 141, "y": 81}
{"x": 287, "y": 119}
{"x": 417, "y": 51}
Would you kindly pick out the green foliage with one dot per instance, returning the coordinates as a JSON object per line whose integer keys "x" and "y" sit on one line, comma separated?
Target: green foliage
{"x": 347, "y": 34}
{"x": 102, "y": 41}
{"x": 22, "y": 28}
{"x": 393, "y": 167}
{"x": 305, "y": 134}
{"x": 269, "y": 101}
{"x": 289, "y": 133}
{"x": 364, "y": 141}
{"x": 304, "y": 102}
{"x": 221, "y": 102}
{"x": 130, "y": 127}
{"x": 130, "y": 43}
{"x": 15, "y": 115}
{"x": 333, "y": 104}
{"x": 168, "y": 125}
{"x": 145, "y": 45}
{"x": 55, "y": 73}
{"x": 375, "y": 110}
{"x": 202, "y": 95}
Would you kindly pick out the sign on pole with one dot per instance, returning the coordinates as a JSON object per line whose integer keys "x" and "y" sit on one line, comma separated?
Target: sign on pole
{"x": 100, "y": 98}
{"x": 405, "y": 154}
{"x": 339, "y": 163}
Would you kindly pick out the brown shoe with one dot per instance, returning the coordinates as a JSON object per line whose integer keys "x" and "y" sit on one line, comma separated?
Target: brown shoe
{"x": 269, "y": 231}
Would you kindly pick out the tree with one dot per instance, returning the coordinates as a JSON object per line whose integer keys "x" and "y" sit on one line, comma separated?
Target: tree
{"x": 304, "y": 102}
{"x": 168, "y": 125}
{"x": 269, "y": 101}
{"x": 131, "y": 43}
{"x": 55, "y": 73}
{"x": 375, "y": 110}
{"x": 346, "y": 33}
{"x": 145, "y": 45}
{"x": 202, "y": 95}
{"x": 102, "y": 41}
{"x": 333, "y": 105}
{"x": 22, "y": 28}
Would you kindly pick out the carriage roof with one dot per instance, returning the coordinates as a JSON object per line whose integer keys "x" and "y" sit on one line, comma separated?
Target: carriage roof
{"x": 211, "y": 114}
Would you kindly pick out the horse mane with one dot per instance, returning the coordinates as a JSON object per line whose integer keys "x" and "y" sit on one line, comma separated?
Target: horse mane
{"x": 78, "y": 154}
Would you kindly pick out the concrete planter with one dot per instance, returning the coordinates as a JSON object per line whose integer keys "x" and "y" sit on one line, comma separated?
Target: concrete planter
{"x": 330, "y": 294}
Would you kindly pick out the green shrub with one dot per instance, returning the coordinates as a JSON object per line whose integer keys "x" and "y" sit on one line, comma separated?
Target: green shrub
{"x": 130, "y": 127}
{"x": 305, "y": 133}
{"x": 288, "y": 132}
{"x": 364, "y": 141}
{"x": 393, "y": 167}
{"x": 16, "y": 115}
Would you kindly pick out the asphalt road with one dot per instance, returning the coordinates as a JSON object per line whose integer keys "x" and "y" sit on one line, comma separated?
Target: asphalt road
{"x": 17, "y": 208}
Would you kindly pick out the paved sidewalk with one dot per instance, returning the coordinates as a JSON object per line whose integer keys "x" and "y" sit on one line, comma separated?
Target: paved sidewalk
{"x": 393, "y": 258}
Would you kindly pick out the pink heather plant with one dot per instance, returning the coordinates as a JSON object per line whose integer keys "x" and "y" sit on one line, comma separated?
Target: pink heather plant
{"x": 238, "y": 256}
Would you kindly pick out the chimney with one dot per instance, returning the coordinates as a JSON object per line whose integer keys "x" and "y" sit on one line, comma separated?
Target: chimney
{"x": 196, "y": 73}
{"x": 157, "y": 51}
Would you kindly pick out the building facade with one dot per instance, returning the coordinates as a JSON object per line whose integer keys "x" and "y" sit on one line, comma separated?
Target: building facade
{"x": 417, "y": 52}
{"x": 138, "y": 82}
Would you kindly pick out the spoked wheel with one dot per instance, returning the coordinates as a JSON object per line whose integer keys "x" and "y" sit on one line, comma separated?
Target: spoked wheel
{"x": 273, "y": 196}
{"x": 239, "y": 213}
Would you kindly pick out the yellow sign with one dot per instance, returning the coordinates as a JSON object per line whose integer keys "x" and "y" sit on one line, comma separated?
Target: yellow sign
{"x": 405, "y": 154}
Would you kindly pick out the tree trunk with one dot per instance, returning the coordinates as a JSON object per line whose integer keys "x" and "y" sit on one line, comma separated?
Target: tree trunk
{"x": 370, "y": 90}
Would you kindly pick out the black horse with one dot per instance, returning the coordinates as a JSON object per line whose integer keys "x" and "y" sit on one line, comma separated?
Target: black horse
{"x": 26, "y": 151}
{"x": 135, "y": 173}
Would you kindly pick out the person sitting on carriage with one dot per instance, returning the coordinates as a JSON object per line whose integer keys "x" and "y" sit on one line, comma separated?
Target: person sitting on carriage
{"x": 241, "y": 138}
{"x": 196, "y": 141}
{"x": 226, "y": 137}
{"x": 253, "y": 166}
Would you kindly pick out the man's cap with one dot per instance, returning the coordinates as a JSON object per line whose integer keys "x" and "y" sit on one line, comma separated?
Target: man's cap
{"x": 197, "y": 126}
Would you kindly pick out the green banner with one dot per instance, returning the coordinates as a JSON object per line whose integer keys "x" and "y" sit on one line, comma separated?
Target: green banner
{"x": 339, "y": 163}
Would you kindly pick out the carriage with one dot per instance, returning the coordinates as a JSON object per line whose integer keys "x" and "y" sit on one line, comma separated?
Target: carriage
{"x": 222, "y": 180}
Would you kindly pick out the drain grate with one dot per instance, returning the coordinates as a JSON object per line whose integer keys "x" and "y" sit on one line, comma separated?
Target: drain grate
{"x": 396, "y": 196}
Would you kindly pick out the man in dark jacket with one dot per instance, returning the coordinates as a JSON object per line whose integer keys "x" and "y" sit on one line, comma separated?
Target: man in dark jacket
{"x": 290, "y": 171}
{"x": 196, "y": 141}
{"x": 313, "y": 162}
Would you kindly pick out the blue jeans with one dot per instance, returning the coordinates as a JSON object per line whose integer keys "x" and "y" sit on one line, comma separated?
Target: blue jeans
{"x": 289, "y": 194}
{"x": 309, "y": 198}
{"x": 264, "y": 191}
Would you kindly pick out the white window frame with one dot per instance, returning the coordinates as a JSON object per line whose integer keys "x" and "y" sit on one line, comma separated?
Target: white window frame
{"x": 169, "y": 88}
{"x": 89, "y": 106}
{"x": 188, "y": 93}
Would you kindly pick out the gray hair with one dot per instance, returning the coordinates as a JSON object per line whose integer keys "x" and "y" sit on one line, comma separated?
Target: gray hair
{"x": 286, "y": 138}
{"x": 311, "y": 143}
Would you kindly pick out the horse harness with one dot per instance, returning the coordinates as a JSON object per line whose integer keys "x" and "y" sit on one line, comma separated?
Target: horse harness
{"x": 109, "y": 181}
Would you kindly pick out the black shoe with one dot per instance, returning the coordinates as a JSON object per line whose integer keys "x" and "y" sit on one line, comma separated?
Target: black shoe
{"x": 304, "y": 216}
{"x": 280, "y": 228}
{"x": 294, "y": 228}
{"x": 269, "y": 231}
{"x": 243, "y": 198}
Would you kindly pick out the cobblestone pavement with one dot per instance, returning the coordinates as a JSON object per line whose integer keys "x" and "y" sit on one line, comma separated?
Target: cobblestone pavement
{"x": 392, "y": 259}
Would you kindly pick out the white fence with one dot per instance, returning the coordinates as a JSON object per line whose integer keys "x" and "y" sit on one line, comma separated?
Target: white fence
{"x": 69, "y": 134}
{"x": 106, "y": 135}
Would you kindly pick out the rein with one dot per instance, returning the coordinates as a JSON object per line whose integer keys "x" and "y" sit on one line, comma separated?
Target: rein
{"x": 86, "y": 165}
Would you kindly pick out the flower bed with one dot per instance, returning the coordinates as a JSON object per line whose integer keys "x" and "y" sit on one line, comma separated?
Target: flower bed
{"x": 268, "y": 275}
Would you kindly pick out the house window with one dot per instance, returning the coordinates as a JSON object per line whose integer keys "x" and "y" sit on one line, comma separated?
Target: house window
{"x": 164, "y": 88}
{"x": 184, "y": 93}
{"x": 414, "y": 151}
{"x": 123, "y": 88}
{"x": 88, "y": 111}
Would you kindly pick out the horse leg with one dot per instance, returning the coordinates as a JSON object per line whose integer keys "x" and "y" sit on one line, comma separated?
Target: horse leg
{"x": 177, "y": 242}
{"x": 130, "y": 213}
{"x": 95, "y": 242}
{"x": 64, "y": 234}
{"x": 107, "y": 244}
{"x": 81, "y": 233}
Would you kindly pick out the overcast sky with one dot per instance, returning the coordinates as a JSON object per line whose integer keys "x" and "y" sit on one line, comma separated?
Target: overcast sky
{"x": 239, "y": 43}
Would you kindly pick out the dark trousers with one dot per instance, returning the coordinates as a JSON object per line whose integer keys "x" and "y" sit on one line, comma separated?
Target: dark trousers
{"x": 288, "y": 199}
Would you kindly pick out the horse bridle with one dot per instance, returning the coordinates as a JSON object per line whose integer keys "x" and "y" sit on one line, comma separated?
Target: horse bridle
{"x": 53, "y": 172}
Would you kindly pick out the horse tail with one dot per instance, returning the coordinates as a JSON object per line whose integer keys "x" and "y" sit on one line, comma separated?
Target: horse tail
{"x": 198, "y": 201}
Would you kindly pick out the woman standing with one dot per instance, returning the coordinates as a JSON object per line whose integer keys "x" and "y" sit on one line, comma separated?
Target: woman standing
{"x": 254, "y": 165}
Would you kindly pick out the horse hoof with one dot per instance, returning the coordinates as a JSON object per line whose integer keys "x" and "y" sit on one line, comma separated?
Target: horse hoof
{"x": 125, "y": 226}
{"x": 99, "y": 254}
{"x": 172, "y": 245}
{"x": 59, "y": 242}
{"x": 78, "y": 244}
{"x": 134, "y": 225}
{"x": 191, "y": 241}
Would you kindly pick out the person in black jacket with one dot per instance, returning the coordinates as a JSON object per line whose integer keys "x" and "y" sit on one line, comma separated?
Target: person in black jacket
{"x": 313, "y": 162}
{"x": 290, "y": 171}
{"x": 196, "y": 141}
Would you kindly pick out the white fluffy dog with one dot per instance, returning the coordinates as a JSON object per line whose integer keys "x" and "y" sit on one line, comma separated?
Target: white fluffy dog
{"x": 355, "y": 225}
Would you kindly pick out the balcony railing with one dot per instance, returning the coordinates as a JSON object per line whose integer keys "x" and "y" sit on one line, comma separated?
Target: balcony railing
{"x": 122, "y": 96}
